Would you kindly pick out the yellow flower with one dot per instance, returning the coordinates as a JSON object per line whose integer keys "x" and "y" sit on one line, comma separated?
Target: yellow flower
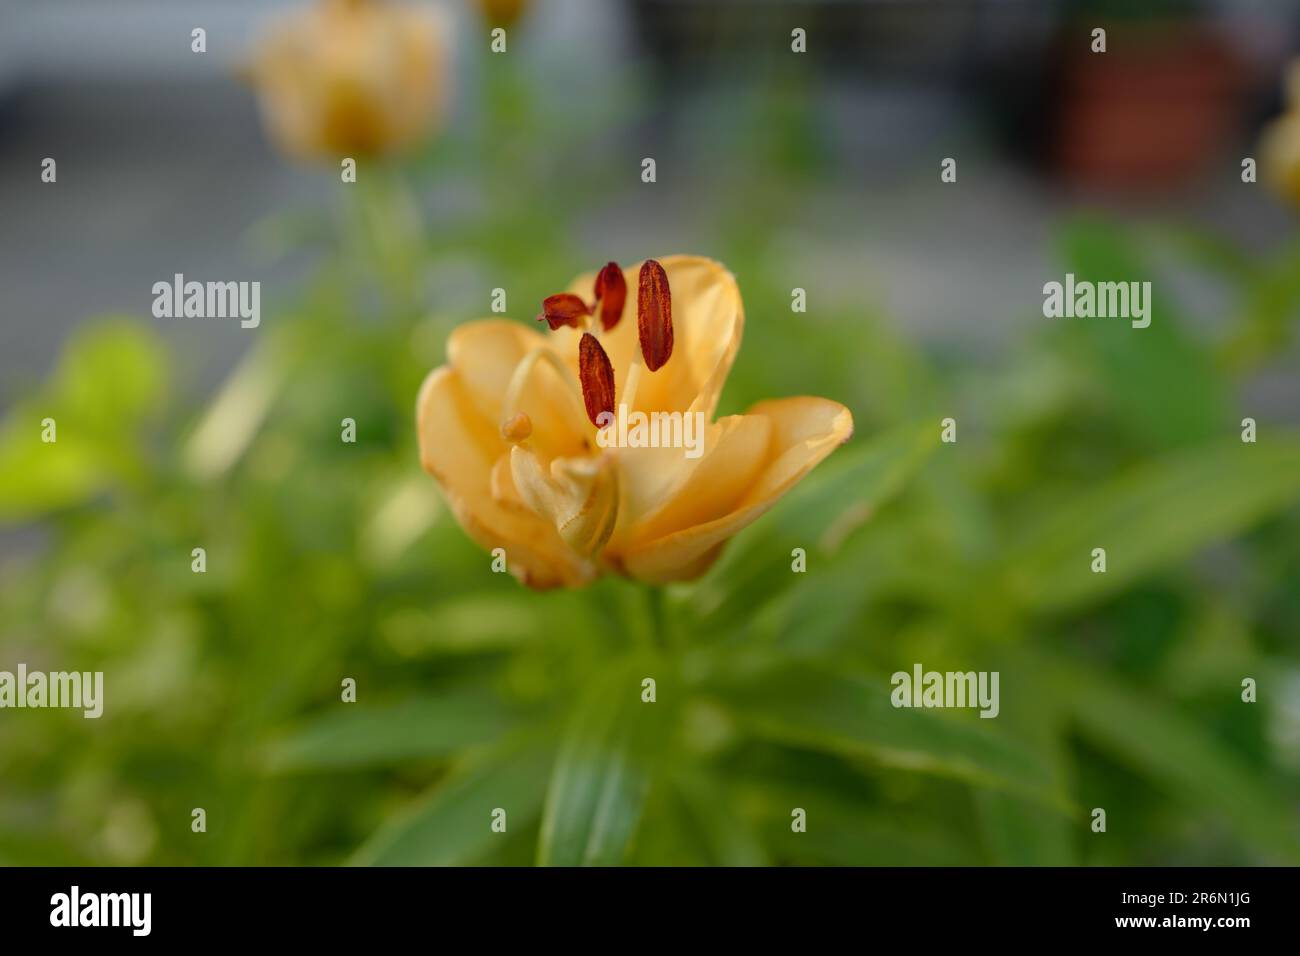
{"x": 502, "y": 13}
{"x": 1280, "y": 143}
{"x": 351, "y": 78}
{"x": 506, "y": 427}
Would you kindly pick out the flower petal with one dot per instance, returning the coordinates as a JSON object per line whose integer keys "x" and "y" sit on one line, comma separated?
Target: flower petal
{"x": 666, "y": 491}
{"x": 487, "y": 355}
{"x": 803, "y": 431}
{"x": 578, "y": 495}
{"x": 1279, "y": 152}
{"x": 708, "y": 319}
{"x": 459, "y": 447}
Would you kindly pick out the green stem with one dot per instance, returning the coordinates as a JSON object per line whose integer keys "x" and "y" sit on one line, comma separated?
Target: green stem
{"x": 655, "y": 617}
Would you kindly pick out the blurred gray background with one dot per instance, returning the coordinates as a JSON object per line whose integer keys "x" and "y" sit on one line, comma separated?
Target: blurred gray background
{"x": 163, "y": 167}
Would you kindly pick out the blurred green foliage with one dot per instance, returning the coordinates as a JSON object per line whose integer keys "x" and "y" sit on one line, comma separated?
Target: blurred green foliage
{"x": 328, "y": 560}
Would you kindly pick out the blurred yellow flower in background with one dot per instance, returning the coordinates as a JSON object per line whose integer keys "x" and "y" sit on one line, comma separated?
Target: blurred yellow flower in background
{"x": 1280, "y": 143}
{"x": 502, "y": 13}
{"x": 351, "y": 78}
{"x": 508, "y": 429}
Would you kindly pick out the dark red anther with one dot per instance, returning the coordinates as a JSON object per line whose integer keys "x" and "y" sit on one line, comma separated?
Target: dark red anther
{"x": 611, "y": 293}
{"x": 597, "y": 375}
{"x": 564, "y": 308}
{"x": 654, "y": 315}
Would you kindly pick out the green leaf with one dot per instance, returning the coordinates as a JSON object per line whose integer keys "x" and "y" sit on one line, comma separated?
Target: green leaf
{"x": 473, "y": 623}
{"x": 854, "y": 716}
{"x": 111, "y": 374}
{"x": 451, "y": 826}
{"x": 1164, "y": 746}
{"x": 710, "y": 804}
{"x": 601, "y": 777}
{"x": 238, "y": 410}
{"x": 1016, "y": 831}
{"x": 1269, "y": 310}
{"x": 847, "y": 812}
{"x": 354, "y": 735}
{"x": 1160, "y": 384}
{"x": 38, "y": 477}
{"x": 818, "y": 515}
{"x": 822, "y": 611}
{"x": 1157, "y": 514}
{"x": 1022, "y": 833}
{"x": 1212, "y": 253}
{"x": 860, "y": 834}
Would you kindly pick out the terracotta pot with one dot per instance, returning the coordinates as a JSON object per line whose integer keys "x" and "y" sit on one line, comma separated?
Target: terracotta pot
{"x": 1155, "y": 109}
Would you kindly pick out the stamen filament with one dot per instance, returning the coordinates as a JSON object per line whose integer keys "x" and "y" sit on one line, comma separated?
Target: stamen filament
{"x": 632, "y": 381}
{"x": 519, "y": 379}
